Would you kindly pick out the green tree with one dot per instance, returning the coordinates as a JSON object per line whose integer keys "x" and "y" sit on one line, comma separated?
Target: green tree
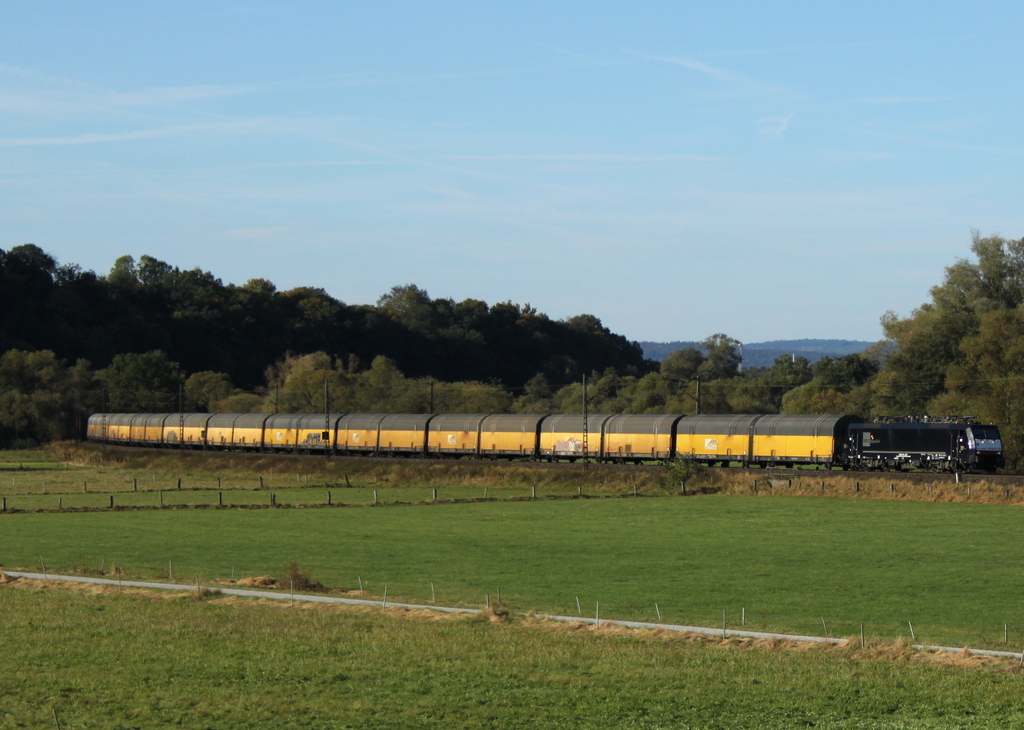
{"x": 146, "y": 382}
{"x": 409, "y": 305}
{"x": 989, "y": 383}
{"x": 723, "y": 358}
{"x": 204, "y": 389}
{"x": 42, "y": 399}
{"x": 927, "y": 344}
{"x": 681, "y": 367}
{"x": 536, "y": 397}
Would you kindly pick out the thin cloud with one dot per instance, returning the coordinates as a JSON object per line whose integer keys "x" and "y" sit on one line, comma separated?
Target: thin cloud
{"x": 720, "y": 74}
{"x": 96, "y": 138}
{"x": 587, "y": 158}
{"x": 959, "y": 146}
{"x": 857, "y": 45}
{"x": 774, "y": 127}
{"x": 899, "y": 99}
{"x": 842, "y": 156}
{"x": 565, "y": 52}
{"x": 327, "y": 163}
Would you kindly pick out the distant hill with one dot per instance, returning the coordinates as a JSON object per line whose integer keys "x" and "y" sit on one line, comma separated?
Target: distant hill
{"x": 763, "y": 354}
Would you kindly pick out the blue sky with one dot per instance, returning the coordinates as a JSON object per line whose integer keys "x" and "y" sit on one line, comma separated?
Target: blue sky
{"x": 767, "y": 170}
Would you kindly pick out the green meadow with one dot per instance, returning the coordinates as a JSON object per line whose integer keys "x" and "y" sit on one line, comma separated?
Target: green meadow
{"x": 76, "y": 660}
{"x": 951, "y": 569}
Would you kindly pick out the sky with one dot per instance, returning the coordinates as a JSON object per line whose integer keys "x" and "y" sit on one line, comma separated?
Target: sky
{"x": 769, "y": 171}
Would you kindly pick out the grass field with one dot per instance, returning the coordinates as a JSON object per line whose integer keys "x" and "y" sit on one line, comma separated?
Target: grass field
{"x": 951, "y": 569}
{"x": 110, "y": 660}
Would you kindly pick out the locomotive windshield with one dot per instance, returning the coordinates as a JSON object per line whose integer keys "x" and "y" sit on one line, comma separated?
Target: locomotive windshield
{"x": 985, "y": 432}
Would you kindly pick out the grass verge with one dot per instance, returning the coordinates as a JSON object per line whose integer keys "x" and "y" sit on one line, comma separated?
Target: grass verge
{"x": 801, "y": 565}
{"x": 94, "y": 657}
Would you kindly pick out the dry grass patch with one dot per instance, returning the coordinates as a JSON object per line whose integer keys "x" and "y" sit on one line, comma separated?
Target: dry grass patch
{"x": 258, "y": 581}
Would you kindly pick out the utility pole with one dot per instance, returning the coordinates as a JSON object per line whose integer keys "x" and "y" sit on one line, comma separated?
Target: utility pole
{"x": 698, "y": 395}
{"x": 327, "y": 421}
{"x": 181, "y": 417}
{"x": 431, "y": 397}
{"x": 586, "y": 427}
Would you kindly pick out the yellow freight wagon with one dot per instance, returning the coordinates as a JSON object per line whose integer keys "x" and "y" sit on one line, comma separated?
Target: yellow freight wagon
{"x": 798, "y": 439}
{"x": 189, "y": 430}
{"x": 404, "y": 433}
{"x": 247, "y": 431}
{"x": 721, "y": 439}
{"x": 561, "y": 436}
{"x": 219, "y": 430}
{"x": 639, "y": 437}
{"x": 358, "y": 433}
{"x": 173, "y": 428}
{"x": 281, "y": 431}
{"x": 96, "y": 429}
{"x": 315, "y": 432}
{"x": 509, "y": 435}
{"x": 456, "y": 434}
{"x": 148, "y": 428}
{"x": 119, "y": 427}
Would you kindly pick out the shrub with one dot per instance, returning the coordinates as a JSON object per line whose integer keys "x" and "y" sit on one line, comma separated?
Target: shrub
{"x": 294, "y": 579}
{"x": 680, "y": 471}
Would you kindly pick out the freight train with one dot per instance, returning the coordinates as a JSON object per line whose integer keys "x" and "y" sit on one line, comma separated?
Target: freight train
{"x": 833, "y": 442}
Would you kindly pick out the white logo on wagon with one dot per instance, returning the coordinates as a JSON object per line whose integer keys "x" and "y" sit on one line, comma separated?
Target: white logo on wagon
{"x": 711, "y": 444}
{"x": 451, "y": 438}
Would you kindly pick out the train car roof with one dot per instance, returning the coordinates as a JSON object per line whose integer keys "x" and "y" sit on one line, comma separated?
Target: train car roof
{"x": 360, "y": 421}
{"x": 798, "y": 425}
{"x": 511, "y": 423}
{"x": 244, "y": 420}
{"x": 193, "y": 420}
{"x": 573, "y": 423}
{"x": 645, "y": 423}
{"x": 405, "y": 422}
{"x": 457, "y": 422}
{"x": 727, "y": 425}
{"x": 151, "y": 419}
{"x": 316, "y": 421}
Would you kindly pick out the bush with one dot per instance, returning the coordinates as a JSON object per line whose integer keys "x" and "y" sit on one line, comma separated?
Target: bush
{"x": 294, "y": 579}
{"x": 680, "y": 471}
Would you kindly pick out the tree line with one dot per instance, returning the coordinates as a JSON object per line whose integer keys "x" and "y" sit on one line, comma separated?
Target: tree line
{"x": 150, "y": 337}
{"x": 205, "y": 325}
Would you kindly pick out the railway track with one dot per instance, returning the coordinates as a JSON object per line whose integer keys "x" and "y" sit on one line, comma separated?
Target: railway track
{"x": 602, "y": 467}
